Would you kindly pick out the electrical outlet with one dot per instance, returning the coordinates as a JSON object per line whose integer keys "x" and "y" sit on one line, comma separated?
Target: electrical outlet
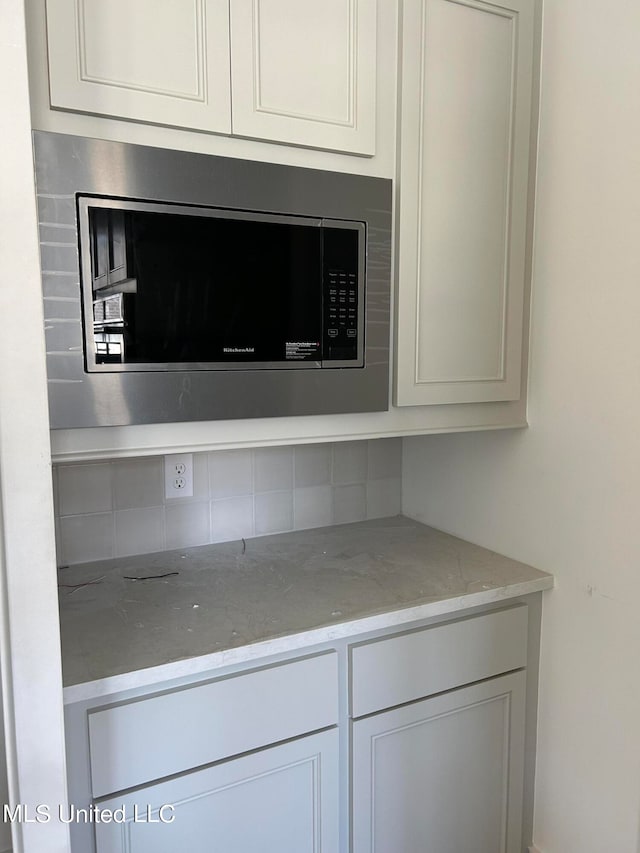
{"x": 178, "y": 475}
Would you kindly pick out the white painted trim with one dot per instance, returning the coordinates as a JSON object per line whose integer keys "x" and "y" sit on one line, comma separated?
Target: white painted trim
{"x": 29, "y": 628}
{"x": 160, "y": 439}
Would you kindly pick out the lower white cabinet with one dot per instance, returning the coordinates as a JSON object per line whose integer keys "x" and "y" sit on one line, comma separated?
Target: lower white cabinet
{"x": 408, "y": 741}
{"x": 442, "y": 775}
{"x": 282, "y": 799}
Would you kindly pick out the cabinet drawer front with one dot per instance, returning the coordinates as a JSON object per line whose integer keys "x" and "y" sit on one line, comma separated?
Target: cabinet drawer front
{"x": 401, "y": 669}
{"x": 152, "y": 738}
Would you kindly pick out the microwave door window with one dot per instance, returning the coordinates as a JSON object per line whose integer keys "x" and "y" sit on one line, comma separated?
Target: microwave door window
{"x": 209, "y": 290}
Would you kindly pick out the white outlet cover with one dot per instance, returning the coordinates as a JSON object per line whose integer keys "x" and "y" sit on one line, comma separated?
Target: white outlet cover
{"x": 178, "y": 475}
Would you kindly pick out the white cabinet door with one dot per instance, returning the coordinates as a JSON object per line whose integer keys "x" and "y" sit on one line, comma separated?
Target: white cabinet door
{"x": 282, "y": 799}
{"x": 161, "y": 61}
{"x": 304, "y": 72}
{"x": 444, "y": 775}
{"x": 464, "y": 163}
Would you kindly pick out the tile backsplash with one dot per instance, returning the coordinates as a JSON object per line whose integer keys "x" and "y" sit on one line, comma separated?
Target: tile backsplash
{"x": 115, "y": 509}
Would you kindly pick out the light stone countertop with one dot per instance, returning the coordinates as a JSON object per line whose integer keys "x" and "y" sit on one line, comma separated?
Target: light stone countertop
{"x": 241, "y": 601}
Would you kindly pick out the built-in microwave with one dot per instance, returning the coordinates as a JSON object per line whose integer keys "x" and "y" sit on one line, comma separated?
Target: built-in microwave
{"x": 181, "y": 286}
{"x": 176, "y": 287}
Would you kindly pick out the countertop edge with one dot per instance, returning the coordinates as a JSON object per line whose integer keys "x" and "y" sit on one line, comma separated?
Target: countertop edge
{"x": 156, "y": 675}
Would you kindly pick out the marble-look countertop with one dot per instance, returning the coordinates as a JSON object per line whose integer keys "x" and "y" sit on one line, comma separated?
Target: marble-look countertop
{"x": 240, "y": 601}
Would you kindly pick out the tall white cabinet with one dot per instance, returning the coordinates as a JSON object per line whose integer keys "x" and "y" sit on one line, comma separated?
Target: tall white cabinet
{"x": 293, "y": 71}
{"x": 462, "y": 218}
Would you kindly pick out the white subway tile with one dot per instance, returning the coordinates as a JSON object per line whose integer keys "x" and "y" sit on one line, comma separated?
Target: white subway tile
{"x": 231, "y": 518}
{"x": 230, "y": 473}
{"x": 273, "y": 469}
{"x": 312, "y": 465}
{"x": 84, "y": 488}
{"x": 237, "y": 493}
{"x": 56, "y": 492}
{"x": 349, "y": 462}
{"x": 138, "y": 482}
{"x": 84, "y": 538}
{"x": 384, "y": 497}
{"x": 349, "y": 504}
{"x": 274, "y": 512}
{"x": 60, "y": 561}
{"x": 187, "y": 524}
{"x": 312, "y": 507}
{"x": 385, "y": 458}
{"x": 139, "y": 531}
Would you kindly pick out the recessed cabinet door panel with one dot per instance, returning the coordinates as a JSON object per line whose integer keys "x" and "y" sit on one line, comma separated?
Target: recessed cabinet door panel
{"x": 159, "y": 61}
{"x": 304, "y": 72}
{"x": 283, "y": 799}
{"x": 467, "y": 72}
{"x": 444, "y": 775}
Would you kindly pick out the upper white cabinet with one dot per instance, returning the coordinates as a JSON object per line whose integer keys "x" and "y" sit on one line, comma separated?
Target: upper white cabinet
{"x": 159, "y": 61}
{"x": 294, "y": 71}
{"x": 304, "y": 72}
{"x": 467, "y": 70}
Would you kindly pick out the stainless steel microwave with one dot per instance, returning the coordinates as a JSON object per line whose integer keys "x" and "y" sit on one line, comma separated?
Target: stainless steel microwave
{"x": 181, "y": 286}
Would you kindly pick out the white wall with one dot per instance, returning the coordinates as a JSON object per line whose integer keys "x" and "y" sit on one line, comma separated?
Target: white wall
{"x": 565, "y": 494}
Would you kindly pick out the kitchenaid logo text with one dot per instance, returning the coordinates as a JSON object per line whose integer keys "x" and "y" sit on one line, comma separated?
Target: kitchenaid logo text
{"x": 137, "y": 813}
{"x": 238, "y": 349}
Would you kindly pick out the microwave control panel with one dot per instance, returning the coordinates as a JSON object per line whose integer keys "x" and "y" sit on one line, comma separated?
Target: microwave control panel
{"x": 342, "y": 314}
{"x": 341, "y": 294}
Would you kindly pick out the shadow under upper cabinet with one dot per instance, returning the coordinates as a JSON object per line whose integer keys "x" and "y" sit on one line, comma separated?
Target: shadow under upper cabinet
{"x": 201, "y": 288}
